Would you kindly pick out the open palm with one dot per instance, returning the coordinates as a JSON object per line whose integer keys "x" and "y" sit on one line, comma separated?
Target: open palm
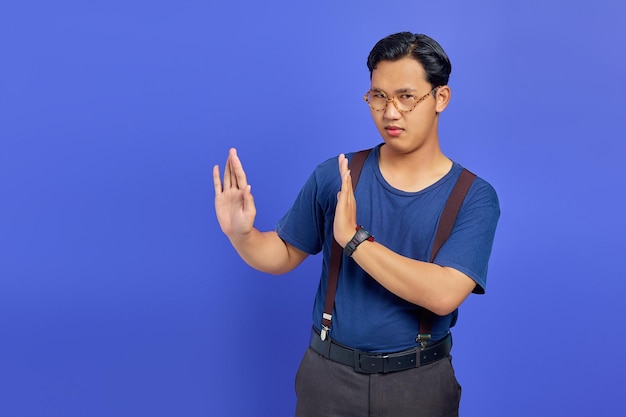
{"x": 234, "y": 204}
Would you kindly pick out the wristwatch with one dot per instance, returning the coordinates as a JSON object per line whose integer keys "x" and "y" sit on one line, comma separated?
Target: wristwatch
{"x": 359, "y": 237}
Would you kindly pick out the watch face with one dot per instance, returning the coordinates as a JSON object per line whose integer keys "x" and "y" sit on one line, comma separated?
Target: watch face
{"x": 362, "y": 235}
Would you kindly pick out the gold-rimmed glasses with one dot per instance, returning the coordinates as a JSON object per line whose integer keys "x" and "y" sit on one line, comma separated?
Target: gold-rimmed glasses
{"x": 404, "y": 101}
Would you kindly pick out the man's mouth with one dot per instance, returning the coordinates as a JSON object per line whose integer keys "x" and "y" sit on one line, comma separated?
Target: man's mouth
{"x": 394, "y": 130}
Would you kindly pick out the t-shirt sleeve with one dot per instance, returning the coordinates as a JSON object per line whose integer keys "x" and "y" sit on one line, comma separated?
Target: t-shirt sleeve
{"x": 303, "y": 225}
{"x": 469, "y": 246}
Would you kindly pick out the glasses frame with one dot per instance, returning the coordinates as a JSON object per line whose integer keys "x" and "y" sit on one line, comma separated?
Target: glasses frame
{"x": 392, "y": 99}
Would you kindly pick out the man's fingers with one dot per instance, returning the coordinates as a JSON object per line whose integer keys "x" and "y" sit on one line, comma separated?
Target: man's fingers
{"x": 346, "y": 188}
{"x": 346, "y": 181}
{"x": 343, "y": 164}
{"x": 239, "y": 175}
{"x": 234, "y": 175}
{"x": 217, "y": 183}
{"x": 227, "y": 174}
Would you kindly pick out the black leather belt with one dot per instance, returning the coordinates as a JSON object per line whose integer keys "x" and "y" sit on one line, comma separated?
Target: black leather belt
{"x": 374, "y": 363}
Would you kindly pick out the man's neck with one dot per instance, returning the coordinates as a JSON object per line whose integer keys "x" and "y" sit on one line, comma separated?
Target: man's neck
{"x": 413, "y": 171}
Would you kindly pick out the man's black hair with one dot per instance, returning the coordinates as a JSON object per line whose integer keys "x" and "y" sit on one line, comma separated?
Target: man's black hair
{"x": 422, "y": 48}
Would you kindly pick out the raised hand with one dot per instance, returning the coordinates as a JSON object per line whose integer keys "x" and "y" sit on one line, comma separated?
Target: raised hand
{"x": 234, "y": 204}
{"x": 345, "y": 213}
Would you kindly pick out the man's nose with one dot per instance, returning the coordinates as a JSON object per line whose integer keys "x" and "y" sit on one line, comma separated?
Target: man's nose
{"x": 391, "y": 111}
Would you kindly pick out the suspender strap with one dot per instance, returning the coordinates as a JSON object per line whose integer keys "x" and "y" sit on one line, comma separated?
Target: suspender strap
{"x": 336, "y": 252}
{"x": 451, "y": 210}
{"x": 446, "y": 223}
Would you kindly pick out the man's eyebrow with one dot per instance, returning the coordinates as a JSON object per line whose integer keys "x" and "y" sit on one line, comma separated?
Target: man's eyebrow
{"x": 405, "y": 90}
{"x": 400, "y": 90}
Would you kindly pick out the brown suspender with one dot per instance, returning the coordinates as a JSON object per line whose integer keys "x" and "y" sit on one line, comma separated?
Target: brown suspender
{"x": 446, "y": 223}
{"x": 336, "y": 252}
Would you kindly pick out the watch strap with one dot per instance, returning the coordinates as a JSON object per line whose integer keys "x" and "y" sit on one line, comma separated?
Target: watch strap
{"x": 359, "y": 237}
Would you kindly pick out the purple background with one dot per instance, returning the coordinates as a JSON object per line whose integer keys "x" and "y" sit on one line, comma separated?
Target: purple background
{"x": 119, "y": 296}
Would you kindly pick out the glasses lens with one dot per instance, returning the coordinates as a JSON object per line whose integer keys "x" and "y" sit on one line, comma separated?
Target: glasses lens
{"x": 406, "y": 102}
{"x": 376, "y": 100}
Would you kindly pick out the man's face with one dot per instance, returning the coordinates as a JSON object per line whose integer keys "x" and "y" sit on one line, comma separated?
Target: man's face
{"x": 405, "y": 80}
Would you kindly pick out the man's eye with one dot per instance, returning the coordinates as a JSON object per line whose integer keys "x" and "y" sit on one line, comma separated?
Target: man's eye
{"x": 407, "y": 96}
{"x": 379, "y": 95}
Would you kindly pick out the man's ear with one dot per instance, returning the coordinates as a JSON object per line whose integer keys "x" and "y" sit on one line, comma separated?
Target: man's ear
{"x": 442, "y": 97}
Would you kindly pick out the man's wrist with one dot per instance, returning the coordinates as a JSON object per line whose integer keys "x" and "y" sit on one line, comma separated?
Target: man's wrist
{"x": 359, "y": 237}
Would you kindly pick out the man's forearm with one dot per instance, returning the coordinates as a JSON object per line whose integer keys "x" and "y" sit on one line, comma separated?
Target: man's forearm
{"x": 267, "y": 252}
{"x": 439, "y": 289}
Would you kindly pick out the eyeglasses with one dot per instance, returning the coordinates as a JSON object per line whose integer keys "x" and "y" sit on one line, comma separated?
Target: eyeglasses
{"x": 404, "y": 102}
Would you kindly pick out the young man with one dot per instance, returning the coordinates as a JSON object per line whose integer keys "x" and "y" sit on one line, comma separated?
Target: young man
{"x": 370, "y": 361}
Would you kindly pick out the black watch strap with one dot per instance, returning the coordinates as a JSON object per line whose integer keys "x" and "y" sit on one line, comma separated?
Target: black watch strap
{"x": 359, "y": 237}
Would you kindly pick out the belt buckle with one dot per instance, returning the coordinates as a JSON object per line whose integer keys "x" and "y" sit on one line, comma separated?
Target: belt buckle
{"x": 368, "y": 364}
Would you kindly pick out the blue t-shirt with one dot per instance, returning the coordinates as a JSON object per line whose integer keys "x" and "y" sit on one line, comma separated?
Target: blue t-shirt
{"x": 367, "y": 316}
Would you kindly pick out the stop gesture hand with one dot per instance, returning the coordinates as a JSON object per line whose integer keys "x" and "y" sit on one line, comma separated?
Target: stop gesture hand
{"x": 234, "y": 204}
{"x": 345, "y": 212}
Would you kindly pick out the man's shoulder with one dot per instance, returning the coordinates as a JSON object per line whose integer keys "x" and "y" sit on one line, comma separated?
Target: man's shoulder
{"x": 480, "y": 189}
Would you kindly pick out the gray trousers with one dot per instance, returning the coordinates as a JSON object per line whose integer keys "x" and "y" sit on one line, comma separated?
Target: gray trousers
{"x": 328, "y": 389}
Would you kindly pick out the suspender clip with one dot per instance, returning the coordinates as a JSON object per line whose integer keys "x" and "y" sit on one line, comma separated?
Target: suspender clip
{"x": 324, "y": 332}
{"x": 423, "y": 339}
{"x": 326, "y": 320}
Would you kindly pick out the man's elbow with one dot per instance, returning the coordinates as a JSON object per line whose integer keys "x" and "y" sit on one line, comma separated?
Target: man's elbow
{"x": 445, "y": 306}
{"x": 448, "y": 303}
{"x": 458, "y": 287}
{"x": 288, "y": 264}
{"x": 281, "y": 270}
